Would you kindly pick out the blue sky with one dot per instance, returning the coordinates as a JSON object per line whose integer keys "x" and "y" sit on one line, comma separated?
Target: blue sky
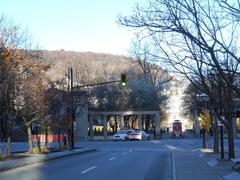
{"x": 78, "y": 25}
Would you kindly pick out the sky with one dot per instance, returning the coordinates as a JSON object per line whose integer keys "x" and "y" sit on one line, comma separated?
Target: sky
{"x": 73, "y": 25}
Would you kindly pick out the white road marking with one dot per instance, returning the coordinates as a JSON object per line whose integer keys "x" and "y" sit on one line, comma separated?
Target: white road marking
{"x": 232, "y": 176}
{"x": 194, "y": 150}
{"x": 201, "y": 155}
{"x": 174, "y": 174}
{"x": 136, "y": 149}
{"x": 124, "y": 153}
{"x": 112, "y": 158}
{"x": 235, "y": 159}
{"x": 89, "y": 169}
{"x": 212, "y": 163}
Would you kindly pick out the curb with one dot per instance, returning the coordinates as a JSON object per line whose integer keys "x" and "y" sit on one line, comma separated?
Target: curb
{"x": 38, "y": 158}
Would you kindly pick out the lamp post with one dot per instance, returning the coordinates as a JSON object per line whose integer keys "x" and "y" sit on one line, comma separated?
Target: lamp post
{"x": 203, "y": 99}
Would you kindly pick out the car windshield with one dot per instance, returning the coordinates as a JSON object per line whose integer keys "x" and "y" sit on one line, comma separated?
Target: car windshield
{"x": 121, "y": 132}
{"x": 137, "y": 132}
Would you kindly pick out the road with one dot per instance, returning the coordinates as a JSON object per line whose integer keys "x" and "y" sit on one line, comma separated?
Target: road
{"x": 112, "y": 160}
{"x": 135, "y": 160}
{"x": 22, "y": 146}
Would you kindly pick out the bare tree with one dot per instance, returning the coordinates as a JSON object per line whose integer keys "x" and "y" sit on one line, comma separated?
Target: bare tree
{"x": 21, "y": 75}
{"x": 33, "y": 104}
{"x": 12, "y": 61}
{"x": 197, "y": 39}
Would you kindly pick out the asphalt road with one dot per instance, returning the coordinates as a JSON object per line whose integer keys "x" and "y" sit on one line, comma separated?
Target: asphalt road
{"x": 113, "y": 161}
{"x": 130, "y": 160}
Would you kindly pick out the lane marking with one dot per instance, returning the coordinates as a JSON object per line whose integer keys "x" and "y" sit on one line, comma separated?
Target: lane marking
{"x": 137, "y": 149}
{"x": 124, "y": 153}
{"x": 232, "y": 176}
{"x": 112, "y": 158}
{"x": 89, "y": 169}
{"x": 212, "y": 163}
{"x": 174, "y": 175}
{"x": 201, "y": 155}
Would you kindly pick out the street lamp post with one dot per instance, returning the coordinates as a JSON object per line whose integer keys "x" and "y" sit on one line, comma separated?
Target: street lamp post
{"x": 203, "y": 99}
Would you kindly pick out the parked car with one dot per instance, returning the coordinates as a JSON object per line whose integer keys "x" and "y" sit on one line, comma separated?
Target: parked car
{"x": 122, "y": 134}
{"x": 138, "y": 135}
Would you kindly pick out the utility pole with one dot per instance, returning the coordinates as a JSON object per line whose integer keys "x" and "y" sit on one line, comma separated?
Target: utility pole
{"x": 72, "y": 113}
{"x": 70, "y": 105}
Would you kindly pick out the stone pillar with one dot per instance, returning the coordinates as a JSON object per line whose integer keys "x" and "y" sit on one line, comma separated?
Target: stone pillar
{"x": 140, "y": 122}
{"x": 197, "y": 126}
{"x": 197, "y": 130}
{"x": 91, "y": 126}
{"x": 105, "y": 132}
{"x": 157, "y": 128}
{"x": 121, "y": 122}
{"x": 81, "y": 117}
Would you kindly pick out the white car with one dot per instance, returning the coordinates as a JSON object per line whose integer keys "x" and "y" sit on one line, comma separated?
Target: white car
{"x": 138, "y": 135}
{"x": 122, "y": 134}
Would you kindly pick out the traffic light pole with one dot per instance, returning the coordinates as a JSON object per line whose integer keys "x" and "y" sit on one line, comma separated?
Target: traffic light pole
{"x": 95, "y": 84}
{"x": 72, "y": 112}
{"x": 123, "y": 81}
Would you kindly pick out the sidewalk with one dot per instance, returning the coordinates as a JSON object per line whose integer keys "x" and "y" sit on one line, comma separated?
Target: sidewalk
{"x": 36, "y": 158}
{"x": 203, "y": 166}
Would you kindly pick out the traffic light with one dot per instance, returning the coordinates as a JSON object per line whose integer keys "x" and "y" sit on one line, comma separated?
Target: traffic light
{"x": 199, "y": 118}
{"x": 123, "y": 80}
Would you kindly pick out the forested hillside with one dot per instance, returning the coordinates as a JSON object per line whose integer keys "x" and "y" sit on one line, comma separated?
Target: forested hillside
{"x": 144, "y": 86}
{"x": 88, "y": 66}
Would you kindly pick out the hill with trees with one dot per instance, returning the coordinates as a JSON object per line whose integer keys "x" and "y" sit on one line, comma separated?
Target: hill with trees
{"x": 145, "y": 80}
{"x": 94, "y": 65}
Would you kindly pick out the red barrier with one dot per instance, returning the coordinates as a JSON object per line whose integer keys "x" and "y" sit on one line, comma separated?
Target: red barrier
{"x": 51, "y": 137}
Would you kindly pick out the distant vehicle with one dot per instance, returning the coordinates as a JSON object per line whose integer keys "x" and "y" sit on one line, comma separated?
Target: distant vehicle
{"x": 122, "y": 134}
{"x": 177, "y": 129}
{"x": 138, "y": 135}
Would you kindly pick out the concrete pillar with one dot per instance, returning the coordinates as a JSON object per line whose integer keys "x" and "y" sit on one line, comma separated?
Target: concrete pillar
{"x": 121, "y": 122}
{"x": 143, "y": 123}
{"x": 197, "y": 126}
{"x": 140, "y": 122}
{"x": 91, "y": 126}
{"x": 157, "y": 128}
{"x": 105, "y": 132}
{"x": 81, "y": 119}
